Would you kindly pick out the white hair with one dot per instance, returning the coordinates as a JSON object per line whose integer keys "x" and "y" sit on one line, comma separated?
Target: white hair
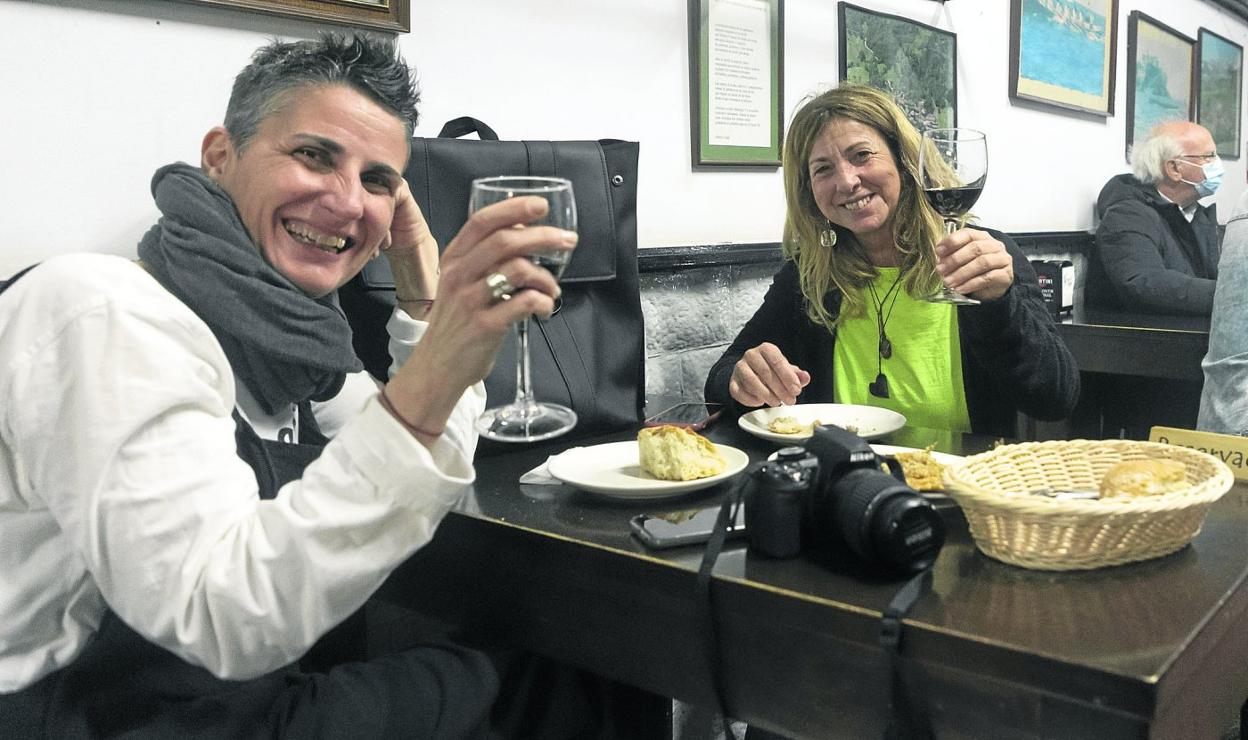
{"x": 1149, "y": 157}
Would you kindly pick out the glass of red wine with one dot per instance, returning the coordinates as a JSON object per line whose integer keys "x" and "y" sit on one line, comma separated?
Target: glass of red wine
{"x": 525, "y": 419}
{"x": 953, "y": 167}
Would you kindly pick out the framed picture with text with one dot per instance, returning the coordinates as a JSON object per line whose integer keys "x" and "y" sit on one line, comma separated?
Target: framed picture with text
{"x": 1063, "y": 52}
{"x": 382, "y": 15}
{"x": 1220, "y": 90}
{"x": 736, "y": 80}
{"x": 1161, "y": 66}
{"x": 915, "y": 63}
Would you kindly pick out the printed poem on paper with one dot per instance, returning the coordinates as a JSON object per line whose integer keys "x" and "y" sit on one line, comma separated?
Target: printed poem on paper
{"x": 739, "y": 73}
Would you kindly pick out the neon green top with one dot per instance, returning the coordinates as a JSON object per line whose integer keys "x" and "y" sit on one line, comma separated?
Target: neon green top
{"x": 925, "y": 370}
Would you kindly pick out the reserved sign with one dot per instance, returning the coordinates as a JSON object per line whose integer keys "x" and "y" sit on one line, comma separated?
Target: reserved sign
{"x": 1228, "y": 448}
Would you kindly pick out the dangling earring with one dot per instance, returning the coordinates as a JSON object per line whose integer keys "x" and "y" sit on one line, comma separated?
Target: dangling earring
{"x": 827, "y": 237}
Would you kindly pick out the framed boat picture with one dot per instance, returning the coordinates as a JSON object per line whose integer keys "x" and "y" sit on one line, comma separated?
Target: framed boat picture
{"x": 1063, "y": 52}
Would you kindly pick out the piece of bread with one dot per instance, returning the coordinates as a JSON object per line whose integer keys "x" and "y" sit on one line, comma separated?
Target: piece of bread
{"x": 790, "y": 425}
{"x": 1151, "y": 477}
{"x": 922, "y": 471}
{"x": 675, "y": 453}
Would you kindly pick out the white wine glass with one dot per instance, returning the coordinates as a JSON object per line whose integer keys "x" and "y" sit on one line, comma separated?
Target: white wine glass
{"x": 953, "y": 167}
{"x": 525, "y": 419}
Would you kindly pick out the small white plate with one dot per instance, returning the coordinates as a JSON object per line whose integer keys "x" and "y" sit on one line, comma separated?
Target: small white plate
{"x": 869, "y": 421}
{"x": 613, "y": 470}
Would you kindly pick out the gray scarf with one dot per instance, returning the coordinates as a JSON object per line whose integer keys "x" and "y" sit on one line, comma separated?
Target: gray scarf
{"x": 284, "y": 346}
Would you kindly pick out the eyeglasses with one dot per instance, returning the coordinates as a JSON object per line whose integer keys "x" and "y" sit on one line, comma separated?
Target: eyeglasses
{"x": 1200, "y": 157}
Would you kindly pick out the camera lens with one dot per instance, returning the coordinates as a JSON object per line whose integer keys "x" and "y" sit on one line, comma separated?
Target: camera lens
{"x": 884, "y": 521}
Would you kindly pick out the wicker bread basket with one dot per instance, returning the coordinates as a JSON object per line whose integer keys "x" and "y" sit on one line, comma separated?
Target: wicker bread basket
{"x": 1045, "y": 533}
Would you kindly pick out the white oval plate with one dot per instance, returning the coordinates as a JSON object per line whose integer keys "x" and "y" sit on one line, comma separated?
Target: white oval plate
{"x": 613, "y": 470}
{"x": 870, "y": 421}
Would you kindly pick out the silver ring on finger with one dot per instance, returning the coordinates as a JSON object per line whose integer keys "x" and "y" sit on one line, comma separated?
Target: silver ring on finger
{"x": 500, "y": 288}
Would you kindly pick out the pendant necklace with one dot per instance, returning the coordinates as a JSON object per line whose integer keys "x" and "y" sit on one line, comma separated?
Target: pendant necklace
{"x": 885, "y": 347}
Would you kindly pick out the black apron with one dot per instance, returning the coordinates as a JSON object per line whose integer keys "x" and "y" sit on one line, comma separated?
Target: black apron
{"x": 124, "y": 686}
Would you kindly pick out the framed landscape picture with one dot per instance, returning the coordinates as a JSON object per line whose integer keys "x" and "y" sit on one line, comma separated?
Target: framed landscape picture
{"x": 1161, "y": 65}
{"x": 1063, "y": 52}
{"x": 913, "y": 62}
{"x": 1221, "y": 82}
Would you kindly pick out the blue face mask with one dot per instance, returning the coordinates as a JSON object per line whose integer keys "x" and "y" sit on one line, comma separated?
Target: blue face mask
{"x": 1213, "y": 178}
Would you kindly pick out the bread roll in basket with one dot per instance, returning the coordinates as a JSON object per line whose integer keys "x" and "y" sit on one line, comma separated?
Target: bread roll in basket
{"x": 1013, "y": 525}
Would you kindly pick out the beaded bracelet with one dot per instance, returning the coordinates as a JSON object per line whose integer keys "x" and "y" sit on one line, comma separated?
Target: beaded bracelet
{"x": 389, "y": 407}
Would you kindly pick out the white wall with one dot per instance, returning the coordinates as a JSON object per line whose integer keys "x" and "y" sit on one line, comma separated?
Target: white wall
{"x": 96, "y": 95}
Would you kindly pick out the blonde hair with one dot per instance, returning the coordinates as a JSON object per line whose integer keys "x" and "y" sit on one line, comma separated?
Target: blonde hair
{"x": 916, "y": 227}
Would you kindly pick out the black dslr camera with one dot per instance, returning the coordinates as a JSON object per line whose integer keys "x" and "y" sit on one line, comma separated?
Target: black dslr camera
{"x": 835, "y": 494}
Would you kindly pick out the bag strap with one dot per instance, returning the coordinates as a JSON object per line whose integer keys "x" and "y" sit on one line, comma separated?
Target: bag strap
{"x": 556, "y": 333}
{"x": 907, "y": 719}
{"x": 705, "y": 606}
{"x": 541, "y": 158}
{"x": 464, "y": 125}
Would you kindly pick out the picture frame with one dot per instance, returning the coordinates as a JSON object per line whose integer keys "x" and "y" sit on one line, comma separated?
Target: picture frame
{"x": 925, "y": 86}
{"x": 736, "y": 82}
{"x": 379, "y": 15}
{"x": 1220, "y": 91}
{"x": 1063, "y": 53}
{"x": 1161, "y": 76}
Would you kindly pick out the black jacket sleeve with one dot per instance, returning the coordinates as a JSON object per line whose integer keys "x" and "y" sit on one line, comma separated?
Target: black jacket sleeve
{"x": 1130, "y": 242}
{"x": 1013, "y": 347}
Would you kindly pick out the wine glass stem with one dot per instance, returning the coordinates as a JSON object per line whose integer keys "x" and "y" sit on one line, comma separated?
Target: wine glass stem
{"x": 951, "y": 225}
{"x": 524, "y": 380}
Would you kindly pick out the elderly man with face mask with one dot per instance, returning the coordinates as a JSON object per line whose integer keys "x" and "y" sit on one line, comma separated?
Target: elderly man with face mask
{"x": 1157, "y": 245}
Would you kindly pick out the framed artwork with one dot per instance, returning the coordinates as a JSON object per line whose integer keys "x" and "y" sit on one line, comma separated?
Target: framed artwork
{"x": 913, "y": 62}
{"x": 1161, "y": 66}
{"x": 736, "y": 80}
{"x": 384, "y": 15}
{"x": 1063, "y": 52}
{"x": 1221, "y": 82}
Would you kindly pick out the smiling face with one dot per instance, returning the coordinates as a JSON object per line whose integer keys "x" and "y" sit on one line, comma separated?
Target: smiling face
{"x": 854, "y": 180}
{"x": 316, "y": 184}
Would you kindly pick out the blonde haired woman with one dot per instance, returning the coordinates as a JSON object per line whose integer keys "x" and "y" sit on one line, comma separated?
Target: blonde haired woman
{"x": 842, "y": 323}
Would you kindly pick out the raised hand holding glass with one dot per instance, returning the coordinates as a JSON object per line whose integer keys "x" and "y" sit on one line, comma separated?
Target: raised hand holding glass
{"x": 953, "y": 167}
{"x": 524, "y": 419}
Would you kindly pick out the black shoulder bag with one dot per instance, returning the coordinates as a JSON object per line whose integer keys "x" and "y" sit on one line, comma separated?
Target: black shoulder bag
{"x": 589, "y": 356}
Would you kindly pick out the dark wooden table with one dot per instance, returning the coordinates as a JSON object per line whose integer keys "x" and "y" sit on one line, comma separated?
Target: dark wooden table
{"x": 1136, "y": 371}
{"x": 1155, "y": 649}
{"x": 1128, "y": 343}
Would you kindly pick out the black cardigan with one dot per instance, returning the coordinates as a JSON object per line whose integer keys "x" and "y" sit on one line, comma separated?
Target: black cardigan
{"x": 1012, "y": 357}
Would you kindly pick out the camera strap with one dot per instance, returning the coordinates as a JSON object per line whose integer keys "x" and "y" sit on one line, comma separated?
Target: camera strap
{"x": 705, "y": 606}
{"x": 907, "y": 718}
